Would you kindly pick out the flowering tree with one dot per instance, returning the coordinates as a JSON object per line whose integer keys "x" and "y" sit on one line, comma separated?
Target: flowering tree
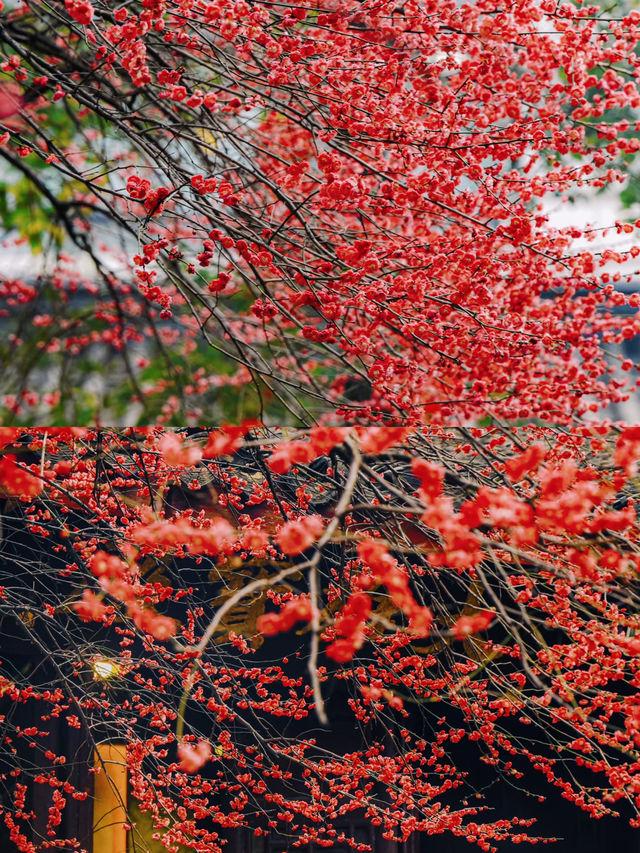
{"x": 332, "y": 216}
{"x": 252, "y": 595}
{"x": 278, "y": 211}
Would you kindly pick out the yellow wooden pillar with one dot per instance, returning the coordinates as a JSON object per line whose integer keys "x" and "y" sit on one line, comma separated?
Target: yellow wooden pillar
{"x": 110, "y": 798}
